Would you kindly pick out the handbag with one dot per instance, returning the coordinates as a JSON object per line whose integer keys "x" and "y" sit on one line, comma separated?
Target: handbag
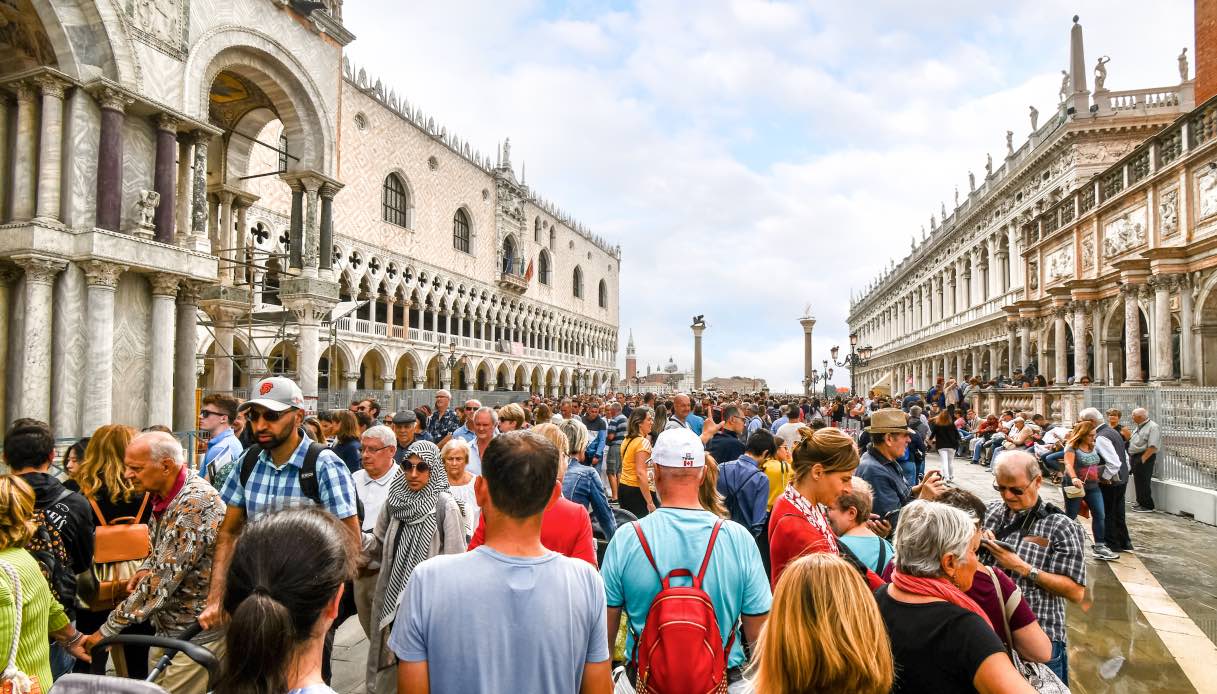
{"x": 1038, "y": 675}
{"x": 13, "y": 680}
{"x": 119, "y": 548}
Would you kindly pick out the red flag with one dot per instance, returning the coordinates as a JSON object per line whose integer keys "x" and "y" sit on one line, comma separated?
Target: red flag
{"x": 528, "y": 272}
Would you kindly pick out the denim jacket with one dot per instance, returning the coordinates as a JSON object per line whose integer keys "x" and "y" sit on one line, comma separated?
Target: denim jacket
{"x": 581, "y": 484}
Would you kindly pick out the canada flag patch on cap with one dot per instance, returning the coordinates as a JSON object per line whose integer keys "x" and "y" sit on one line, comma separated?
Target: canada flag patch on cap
{"x": 265, "y": 388}
{"x": 687, "y": 459}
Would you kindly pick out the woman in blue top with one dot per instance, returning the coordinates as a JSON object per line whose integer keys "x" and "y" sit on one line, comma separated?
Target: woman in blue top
{"x": 580, "y": 483}
{"x": 1081, "y": 483}
{"x": 848, "y": 518}
{"x": 346, "y": 440}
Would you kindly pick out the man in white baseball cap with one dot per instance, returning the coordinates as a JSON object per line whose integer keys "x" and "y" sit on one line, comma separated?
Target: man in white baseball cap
{"x": 283, "y": 468}
{"x": 679, "y": 535}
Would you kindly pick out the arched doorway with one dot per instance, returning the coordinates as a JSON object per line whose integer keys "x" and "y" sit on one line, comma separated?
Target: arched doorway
{"x": 405, "y": 373}
{"x": 433, "y": 381}
{"x": 372, "y": 369}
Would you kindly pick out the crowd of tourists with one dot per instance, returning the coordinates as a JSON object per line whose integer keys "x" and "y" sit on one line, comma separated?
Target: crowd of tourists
{"x": 590, "y": 543}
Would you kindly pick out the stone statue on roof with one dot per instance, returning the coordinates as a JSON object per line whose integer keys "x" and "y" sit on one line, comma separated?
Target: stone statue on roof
{"x": 1183, "y": 65}
{"x": 988, "y": 165}
{"x": 1009, "y": 143}
{"x": 1035, "y": 118}
{"x": 1100, "y": 73}
{"x": 971, "y": 182}
{"x": 1064, "y": 85}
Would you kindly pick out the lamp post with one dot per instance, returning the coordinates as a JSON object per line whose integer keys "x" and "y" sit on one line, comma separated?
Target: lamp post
{"x": 854, "y": 360}
{"x": 451, "y": 360}
{"x": 819, "y": 377}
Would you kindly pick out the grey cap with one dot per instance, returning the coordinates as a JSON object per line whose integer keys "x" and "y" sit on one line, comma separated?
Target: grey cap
{"x": 405, "y": 417}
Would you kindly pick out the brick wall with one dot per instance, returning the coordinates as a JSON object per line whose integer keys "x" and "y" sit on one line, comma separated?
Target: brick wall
{"x": 1206, "y": 50}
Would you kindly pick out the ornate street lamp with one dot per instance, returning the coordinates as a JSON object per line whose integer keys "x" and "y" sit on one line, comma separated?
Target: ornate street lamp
{"x": 451, "y": 360}
{"x": 854, "y": 360}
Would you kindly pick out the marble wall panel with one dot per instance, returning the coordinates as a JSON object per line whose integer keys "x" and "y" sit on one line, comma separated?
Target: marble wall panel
{"x": 1126, "y": 231}
{"x": 139, "y": 162}
{"x": 82, "y": 125}
{"x": 68, "y": 350}
{"x": 163, "y": 75}
{"x": 132, "y": 307}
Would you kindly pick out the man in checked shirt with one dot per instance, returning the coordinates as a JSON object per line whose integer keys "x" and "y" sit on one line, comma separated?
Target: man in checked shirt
{"x": 1049, "y": 561}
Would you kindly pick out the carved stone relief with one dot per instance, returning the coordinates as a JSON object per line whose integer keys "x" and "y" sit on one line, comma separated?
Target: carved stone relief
{"x": 1206, "y": 191}
{"x": 1033, "y": 275}
{"x": 1087, "y": 253}
{"x": 1124, "y": 233}
{"x": 1168, "y": 213}
{"x": 161, "y": 23}
{"x": 1060, "y": 263}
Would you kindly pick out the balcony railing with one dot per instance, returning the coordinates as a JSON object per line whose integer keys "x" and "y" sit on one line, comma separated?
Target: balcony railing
{"x": 513, "y": 273}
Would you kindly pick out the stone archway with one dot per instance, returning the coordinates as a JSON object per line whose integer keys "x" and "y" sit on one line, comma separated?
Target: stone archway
{"x": 406, "y": 372}
{"x": 373, "y": 369}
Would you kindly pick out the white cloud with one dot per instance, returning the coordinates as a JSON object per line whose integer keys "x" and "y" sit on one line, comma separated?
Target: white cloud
{"x": 751, "y": 156}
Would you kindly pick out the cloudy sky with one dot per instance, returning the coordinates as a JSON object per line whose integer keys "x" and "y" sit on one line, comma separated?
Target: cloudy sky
{"x": 751, "y": 157}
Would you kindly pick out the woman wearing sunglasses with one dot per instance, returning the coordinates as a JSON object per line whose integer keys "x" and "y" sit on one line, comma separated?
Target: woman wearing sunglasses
{"x": 419, "y": 520}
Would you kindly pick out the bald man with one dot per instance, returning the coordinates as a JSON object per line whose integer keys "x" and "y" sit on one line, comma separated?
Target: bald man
{"x": 170, "y": 588}
{"x": 1143, "y": 450}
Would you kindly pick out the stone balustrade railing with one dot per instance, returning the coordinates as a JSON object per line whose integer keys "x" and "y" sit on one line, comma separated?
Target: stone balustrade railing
{"x": 1144, "y": 99}
{"x": 1059, "y": 404}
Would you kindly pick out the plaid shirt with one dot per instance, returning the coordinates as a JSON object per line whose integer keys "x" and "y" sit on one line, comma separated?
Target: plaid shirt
{"x": 1064, "y": 555}
{"x": 273, "y": 488}
{"x": 442, "y": 425}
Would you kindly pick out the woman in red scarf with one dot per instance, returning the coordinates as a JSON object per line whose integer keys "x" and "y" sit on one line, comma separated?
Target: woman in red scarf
{"x": 823, "y": 462}
{"x": 942, "y": 641}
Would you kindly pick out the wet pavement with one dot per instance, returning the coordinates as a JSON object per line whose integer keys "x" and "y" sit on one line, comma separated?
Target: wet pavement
{"x": 1151, "y": 620}
{"x": 1152, "y": 614}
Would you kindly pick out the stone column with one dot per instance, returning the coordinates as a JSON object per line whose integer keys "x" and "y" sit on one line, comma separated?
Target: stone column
{"x": 959, "y": 359}
{"x": 238, "y": 233}
{"x": 221, "y": 361}
{"x": 386, "y": 383}
{"x": 1132, "y": 335}
{"x": 351, "y": 383}
{"x": 24, "y": 156}
{"x": 1060, "y": 367}
{"x": 1186, "y": 337}
{"x": 165, "y": 176}
{"x": 950, "y": 293}
{"x": 312, "y": 219}
{"x": 1002, "y": 258}
{"x": 1024, "y": 345}
{"x": 1100, "y": 347}
{"x": 295, "y": 242}
{"x": 994, "y": 362}
{"x": 4, "y": 179}
{"x": 35, "y": 397}
{"x": 1080, "y": 343}
{"x": 326, "y": 259}
{"x": 185, "y": 191}
{"x": 8, "y": 275}
{"x": 185, "y": 357}
{"x": 1011, "y": 348}
{"x": 1162, "y": 357}
{"x": 698, "y": 329}
{"x": 224, "y": 238}
{"x": 308, "y": 349}
{"x": 975, "y": 371}
{"x": 110, "y": 159}
{"x": 161, "y": 351}
{"x": 98, "y": 397}
{"x": 808, "y": 323}
{"x": 198, "y": 194}
{"x": 50, "y": 150}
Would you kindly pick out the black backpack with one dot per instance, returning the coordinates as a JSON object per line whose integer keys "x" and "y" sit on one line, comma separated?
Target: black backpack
{"x": 48, "y": 549}
{"x": 308, "y": 473}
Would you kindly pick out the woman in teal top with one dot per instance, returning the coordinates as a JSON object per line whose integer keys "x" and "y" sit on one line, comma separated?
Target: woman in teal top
{"x": 1081, "y": 483}
{"x": 40, "y": 613}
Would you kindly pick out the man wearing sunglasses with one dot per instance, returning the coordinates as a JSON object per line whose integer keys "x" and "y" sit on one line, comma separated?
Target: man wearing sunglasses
{"x": 465, "y": 430}
{"x": 223, "y": 447}
{"x": 1049, "y": 561}
{"x": 274, "y": 482}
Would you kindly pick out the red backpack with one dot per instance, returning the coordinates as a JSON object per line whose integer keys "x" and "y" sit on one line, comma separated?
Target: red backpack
{"x": 681, "y": 648}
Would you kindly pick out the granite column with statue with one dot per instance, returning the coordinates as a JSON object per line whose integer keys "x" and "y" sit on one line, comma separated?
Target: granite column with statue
{"x": 698, "y": 327}
{"x": 809, "y": 323}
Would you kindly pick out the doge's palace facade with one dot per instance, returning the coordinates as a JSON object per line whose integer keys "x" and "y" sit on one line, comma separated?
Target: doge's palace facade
{"x": 195, "y": 194}
{"x": 1023, "y": 269}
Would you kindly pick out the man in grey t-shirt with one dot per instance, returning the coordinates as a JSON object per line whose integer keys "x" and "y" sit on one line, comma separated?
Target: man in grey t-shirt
{"x": 510, "y": 616}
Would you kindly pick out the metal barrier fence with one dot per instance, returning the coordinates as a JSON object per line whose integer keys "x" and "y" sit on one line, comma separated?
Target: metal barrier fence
{"x": 392, "y": 401}
{"x": 194, "y": 443}
{"x": 1188, "y": 418}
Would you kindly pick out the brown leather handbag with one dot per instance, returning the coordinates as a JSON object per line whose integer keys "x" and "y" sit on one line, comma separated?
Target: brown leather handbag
{"x": 119, "y": 547}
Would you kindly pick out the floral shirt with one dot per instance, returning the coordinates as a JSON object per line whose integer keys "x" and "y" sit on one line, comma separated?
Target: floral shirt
{"x": 442, "y": 425}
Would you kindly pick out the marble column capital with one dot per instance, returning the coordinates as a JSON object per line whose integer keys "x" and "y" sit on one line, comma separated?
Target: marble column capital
{"x": 40, "y": 269}
{"x": 200, "y": 137}
{"x": 164, "y": 284}
{"x": 52, "y": 86}
{"x": 329, "y": 189}
{"x": 102, "y": 274}
{"x": 167, "y": 122}
{"x": 1165, "y": 281}
{"x": 188, "y": 293}
{"x": 24, "y": 92}
{"x": 113, "y": 99}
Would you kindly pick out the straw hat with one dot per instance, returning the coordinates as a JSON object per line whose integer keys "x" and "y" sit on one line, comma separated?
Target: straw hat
{"x": 891, "y": 420}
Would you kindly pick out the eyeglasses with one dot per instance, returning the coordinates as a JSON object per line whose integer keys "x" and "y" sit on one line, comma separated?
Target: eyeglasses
{"x": 1016, "y": 491}
{"x": 469, "y": 408}
{"x": 371, "y": 451}
{"x": 268, "y": 415}
{"x": 420, "y": 467}
{"x": 204, "y": 414}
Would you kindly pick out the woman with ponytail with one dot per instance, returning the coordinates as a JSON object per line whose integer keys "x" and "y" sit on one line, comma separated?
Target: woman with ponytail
{"x": 282, "y": 594}
{"x": 823, "y": 463}
{"x": 942, "y": 641}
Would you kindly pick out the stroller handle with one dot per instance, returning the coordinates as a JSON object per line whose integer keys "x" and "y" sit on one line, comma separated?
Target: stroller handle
{"x": 172, "y": 646}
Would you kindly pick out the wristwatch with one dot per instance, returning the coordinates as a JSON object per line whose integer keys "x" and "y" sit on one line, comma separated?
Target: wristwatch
{"x": 1033, "y": 575}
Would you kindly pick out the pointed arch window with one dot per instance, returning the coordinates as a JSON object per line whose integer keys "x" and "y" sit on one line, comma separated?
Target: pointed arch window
{"x": 395, "y": 201}
{"x": 603, "y": 294}
{"x": 543, "y": 268}
{"x": 460, "y": 231}
{"x": 577, "y": 282}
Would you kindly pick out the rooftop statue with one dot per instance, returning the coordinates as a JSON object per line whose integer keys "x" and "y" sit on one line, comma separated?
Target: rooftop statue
{"x": 1064, "y": 85}
{"x": 1035, "y": 118}
{"x": 1183, "y": 65}
{"x": 1100, "y": 73}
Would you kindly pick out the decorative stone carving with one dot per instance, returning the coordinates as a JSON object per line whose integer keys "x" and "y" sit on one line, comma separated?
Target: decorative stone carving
{"x": 1168, "y": 213}
{"x": 163, "y": 284}
{"x": 101, "y": 274}
{"x": 1035, "y": 118}
{"x": 1206, "y": 190}
{"x": 1033, "y": 275}
{"x": 988, "y": 165}
{"x": 1064, "y": 92}
{"x": 1183, "y": 65}
{"x": 971, "y": 181}
{"x": 39, "y": 269}
{"x": 1088, "y": 253}
{"x": 1060, "y": 263}
{"x": 1009, "y": 143}
{"x": 147, "y": 203}
{"x": 1100, "y": 74}
{"x": 161, "y": 23}
{"x": 1124, "y": 233}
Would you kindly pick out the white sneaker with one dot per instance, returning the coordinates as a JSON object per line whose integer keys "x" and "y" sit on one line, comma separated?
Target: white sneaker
{"x": 1104, "y": 553}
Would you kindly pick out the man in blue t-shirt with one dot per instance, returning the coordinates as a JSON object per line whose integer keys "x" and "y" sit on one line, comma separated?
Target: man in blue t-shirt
{"x": 547, "y": 630}
{"x": 678, "y": 534}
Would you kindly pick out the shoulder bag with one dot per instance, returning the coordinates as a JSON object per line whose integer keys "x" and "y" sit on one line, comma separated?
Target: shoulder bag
{"x": 13, "y": 680}
{"x": 1038, "y": 675}
{"x": 120, "y": 546}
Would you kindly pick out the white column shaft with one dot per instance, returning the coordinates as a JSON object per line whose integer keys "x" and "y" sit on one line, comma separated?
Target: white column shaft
{"x": 161, "y": 358}
{"x": 185, "y": 361}
{"x": 99, "y": 386}
{"x": 50, "y": 154}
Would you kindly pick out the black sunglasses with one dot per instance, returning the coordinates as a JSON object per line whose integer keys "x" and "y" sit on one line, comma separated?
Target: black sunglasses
{"x": 208, "y": 413}
{"x": 268, "y": 415}
{"x": 1016, "y": 491}
{"x": 420, "y": 466}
